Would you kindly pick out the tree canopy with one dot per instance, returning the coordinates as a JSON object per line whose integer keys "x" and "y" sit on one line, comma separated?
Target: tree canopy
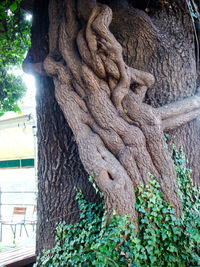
{"x": 14, "y": 43}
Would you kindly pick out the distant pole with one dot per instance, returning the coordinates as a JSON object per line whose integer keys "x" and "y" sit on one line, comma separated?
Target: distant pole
{"x": 34, "y": 130}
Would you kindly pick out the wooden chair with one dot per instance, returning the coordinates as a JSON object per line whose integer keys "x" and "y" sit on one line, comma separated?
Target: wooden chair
{"x": 18, "y": 218}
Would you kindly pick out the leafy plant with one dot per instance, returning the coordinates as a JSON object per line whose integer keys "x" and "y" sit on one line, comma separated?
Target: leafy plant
{"x": 14, "y": 43}
{"x": 162, "y": 239}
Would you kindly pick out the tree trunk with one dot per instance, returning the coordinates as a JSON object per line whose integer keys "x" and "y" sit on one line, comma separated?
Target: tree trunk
{"x": 101, "y": 83}
{"x": 169, "y": 56}
{"x": 59, "y": 166}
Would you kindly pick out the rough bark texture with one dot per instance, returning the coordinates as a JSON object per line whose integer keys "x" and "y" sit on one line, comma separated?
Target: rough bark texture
{"x": 101, "y": 82}
{"x": 59, "y": 166}
{"x": 169, "y": 55}
{"x": 120, "y": 138}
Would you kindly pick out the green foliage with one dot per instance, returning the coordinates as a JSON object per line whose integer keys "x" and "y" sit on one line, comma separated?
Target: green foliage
{"x": 162, "y": 239}
{"x": 14, "y": 43}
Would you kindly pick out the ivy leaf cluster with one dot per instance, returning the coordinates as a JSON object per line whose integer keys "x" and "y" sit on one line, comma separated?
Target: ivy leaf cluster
{"x": 162, "y": 239}
{"x": 14, "y": 44}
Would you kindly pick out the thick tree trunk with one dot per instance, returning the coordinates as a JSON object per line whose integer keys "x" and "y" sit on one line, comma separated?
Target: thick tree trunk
{"x": 120, "y": 138}
{"x": 169, "y": 54}
{"x": 59, "y": 166}
{"x": 101, "y": 94}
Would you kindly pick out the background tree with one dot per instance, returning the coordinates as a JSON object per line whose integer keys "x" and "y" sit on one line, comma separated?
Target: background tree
{"x": 14, "y": 43}
{"x": 157, "y": 43}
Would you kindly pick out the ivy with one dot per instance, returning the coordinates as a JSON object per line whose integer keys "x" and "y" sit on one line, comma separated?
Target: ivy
{"x": 14, "y": 43}
{"x": 162, "y": 239}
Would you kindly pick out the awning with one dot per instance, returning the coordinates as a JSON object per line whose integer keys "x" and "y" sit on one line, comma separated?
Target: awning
{"x": 16, "y": 139}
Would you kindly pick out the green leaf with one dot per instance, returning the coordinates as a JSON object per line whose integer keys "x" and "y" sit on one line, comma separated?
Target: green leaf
{"x": 13, "y": 7}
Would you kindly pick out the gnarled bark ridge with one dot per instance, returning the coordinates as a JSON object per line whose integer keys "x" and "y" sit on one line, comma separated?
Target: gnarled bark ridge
{"x": 120, "y": 138}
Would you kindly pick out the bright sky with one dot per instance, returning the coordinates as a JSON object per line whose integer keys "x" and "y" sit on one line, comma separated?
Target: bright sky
{"x": 29, "y": 99}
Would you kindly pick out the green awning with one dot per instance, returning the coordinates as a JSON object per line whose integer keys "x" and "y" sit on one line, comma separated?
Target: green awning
{"x": 21, "y": 163}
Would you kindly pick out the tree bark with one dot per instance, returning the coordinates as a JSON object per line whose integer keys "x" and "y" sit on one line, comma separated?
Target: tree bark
{"x": 115, "y": 90}
{"x": 59, "y": 166}
{"x": 168, "y": 52}
{"x": 120, "y": 138}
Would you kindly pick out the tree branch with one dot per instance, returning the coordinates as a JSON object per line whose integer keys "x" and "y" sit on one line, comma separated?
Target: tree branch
{"x": 180, "y": 112}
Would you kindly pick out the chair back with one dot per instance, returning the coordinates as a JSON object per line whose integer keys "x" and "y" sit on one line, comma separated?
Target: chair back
{"x": 19, "y": 210}
{"x": 34, "y": 215}
{"x": 34, "y": 209}
{"x": 19, "y": 213}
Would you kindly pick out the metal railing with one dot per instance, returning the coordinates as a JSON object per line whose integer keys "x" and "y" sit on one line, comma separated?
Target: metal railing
{"x": 14, "y": 202}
